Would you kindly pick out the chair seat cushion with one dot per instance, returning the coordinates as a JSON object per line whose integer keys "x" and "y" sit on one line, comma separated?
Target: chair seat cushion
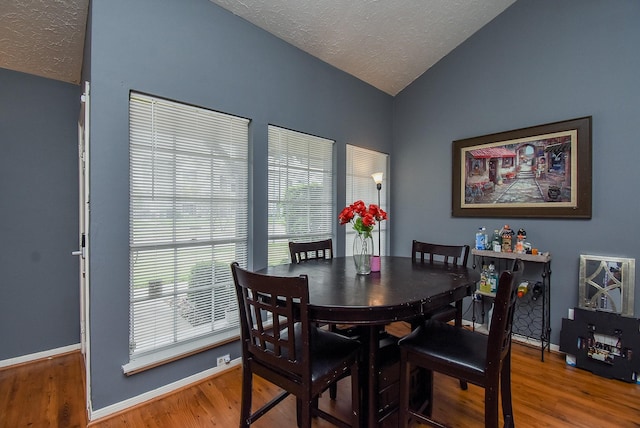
{"x": 442, "y": 343}
{"x": 329, "y": 351}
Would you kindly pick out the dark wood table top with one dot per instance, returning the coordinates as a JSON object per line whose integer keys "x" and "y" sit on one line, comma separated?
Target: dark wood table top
{"x": 400, "y": 291}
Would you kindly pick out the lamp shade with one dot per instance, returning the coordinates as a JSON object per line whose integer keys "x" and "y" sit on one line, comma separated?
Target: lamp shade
{"x": 377, "y": 177}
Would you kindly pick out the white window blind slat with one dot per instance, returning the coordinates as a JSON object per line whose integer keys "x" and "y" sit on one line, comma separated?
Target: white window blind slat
{"x": 300, "y": 190}
{"x": 361, "y": 163}
{"x": 188, "y": 222}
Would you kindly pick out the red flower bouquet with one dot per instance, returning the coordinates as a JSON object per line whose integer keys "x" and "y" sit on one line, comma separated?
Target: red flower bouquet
{"x": 363, "y": 218}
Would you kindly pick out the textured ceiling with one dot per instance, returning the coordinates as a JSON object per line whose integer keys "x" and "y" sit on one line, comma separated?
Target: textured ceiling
{"x": 43, "y": 37}
{"x": 386, "y": 43}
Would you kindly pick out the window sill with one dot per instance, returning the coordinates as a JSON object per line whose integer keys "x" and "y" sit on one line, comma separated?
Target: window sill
{"x": 156, "y": 359}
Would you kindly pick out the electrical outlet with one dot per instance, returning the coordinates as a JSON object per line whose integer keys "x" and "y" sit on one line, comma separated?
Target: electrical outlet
{"x": 222, "y": 360}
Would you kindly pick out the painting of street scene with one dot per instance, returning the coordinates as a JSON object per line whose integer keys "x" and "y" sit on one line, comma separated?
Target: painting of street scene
{"x": 526, "y": 172}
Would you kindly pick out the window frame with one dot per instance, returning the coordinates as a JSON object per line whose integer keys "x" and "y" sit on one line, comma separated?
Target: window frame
{"x": 361, "y": 163}
{"x": 291, "y": 155}
{"x": 184, "y": 239}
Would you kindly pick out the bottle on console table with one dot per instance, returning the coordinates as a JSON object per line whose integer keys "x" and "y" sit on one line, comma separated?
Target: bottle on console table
{"x": 481, "y": 239}
{"x": 522, "y": 235}
{"x": 495, "y": 241}
{"x": 493, "y": 278}
{"x": 484, "y": 285}
{"x": 506, "y": 237}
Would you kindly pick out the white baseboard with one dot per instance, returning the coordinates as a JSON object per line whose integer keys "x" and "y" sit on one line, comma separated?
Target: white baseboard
{"x": 39, "y": 355}
{"x": 166, "y": 389}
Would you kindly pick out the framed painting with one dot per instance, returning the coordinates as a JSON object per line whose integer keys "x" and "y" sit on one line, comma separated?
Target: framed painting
{"x": 540, "y": 171}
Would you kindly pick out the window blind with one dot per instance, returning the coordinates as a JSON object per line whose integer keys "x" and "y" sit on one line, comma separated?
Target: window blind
{"x": 300, "y": 190}
{"x": 361, "y": 163}
{"x": 188, "y": 222}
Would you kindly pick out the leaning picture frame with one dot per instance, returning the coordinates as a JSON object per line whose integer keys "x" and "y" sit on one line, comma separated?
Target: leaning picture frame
{"x": 540, "y": 171}
{"x": 606, "y": 283}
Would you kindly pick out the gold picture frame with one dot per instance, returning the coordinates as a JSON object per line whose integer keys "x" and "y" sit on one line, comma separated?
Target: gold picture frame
{"x": 540, "y": 171}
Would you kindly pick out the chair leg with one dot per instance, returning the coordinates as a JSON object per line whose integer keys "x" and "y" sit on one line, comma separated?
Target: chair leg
{"x": 505, "y": 391}
{"x": 491, "y": 406}
{"x": 458, "y": 324}
{"x": 405, "y": 385}
{"x": 315, "y": 402}
{"x": 245, "y": 407}
{"x": 356, "y": 405}
{"x": 298, "y": 412}
{"x": 304, "y": 412}
{"x": 458, "y": 319}
{"x": 429, "y": 409}
{"x": 333, "y": 388}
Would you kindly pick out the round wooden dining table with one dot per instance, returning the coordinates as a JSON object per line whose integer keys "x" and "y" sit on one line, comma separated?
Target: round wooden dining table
{"x": 401, "y": 290}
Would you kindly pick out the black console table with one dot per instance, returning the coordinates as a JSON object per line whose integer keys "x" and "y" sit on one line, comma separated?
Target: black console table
{"x": 533, "y": 311}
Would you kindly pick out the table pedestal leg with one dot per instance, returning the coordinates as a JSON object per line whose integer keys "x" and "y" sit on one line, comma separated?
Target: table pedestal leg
{"x": 372, "y": 375}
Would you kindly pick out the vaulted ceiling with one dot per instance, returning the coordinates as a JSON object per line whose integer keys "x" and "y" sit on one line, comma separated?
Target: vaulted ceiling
{"x": 386, "y": 43}
{"x": 43, "y": 37}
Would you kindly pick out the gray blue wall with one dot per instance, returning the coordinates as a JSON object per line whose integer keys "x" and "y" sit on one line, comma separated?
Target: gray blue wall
{"x": 39, "y": 291}
{"x": 540, "y": 61}
{"x": 195, "y": 52}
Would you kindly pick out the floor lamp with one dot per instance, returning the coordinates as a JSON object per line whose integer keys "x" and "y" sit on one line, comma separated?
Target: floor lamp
{"x": 377, "y": 177}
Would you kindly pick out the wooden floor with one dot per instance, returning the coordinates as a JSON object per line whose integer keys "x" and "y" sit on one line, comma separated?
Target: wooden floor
{"x": 46, "y": 393}
{"x": 49, "y": 393}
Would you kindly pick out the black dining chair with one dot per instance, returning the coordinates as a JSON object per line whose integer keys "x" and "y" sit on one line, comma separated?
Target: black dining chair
{"x": 456, "y": 255}
{"x": 281, "y": 345}
{"x": 303, "y": 251}
{"x": 481, "y": 359}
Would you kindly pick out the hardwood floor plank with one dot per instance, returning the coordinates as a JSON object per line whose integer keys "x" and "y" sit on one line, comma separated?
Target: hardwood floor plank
{"x": 551, "y": 394}
{"x": 46, "y": 393}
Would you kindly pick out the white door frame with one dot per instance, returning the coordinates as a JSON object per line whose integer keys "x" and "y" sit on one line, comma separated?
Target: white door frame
{"x": 83, "y": 237}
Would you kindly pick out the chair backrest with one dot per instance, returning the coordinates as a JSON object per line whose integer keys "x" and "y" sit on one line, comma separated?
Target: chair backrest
{"x": 455, "y": 254}
{"x": 272, "y": 309}
{"x": 499, "y": 341}
{"x": 303, "y": 251}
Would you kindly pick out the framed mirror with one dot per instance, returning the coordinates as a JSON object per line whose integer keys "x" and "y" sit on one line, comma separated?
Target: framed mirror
{"x": 607, "y": 284}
